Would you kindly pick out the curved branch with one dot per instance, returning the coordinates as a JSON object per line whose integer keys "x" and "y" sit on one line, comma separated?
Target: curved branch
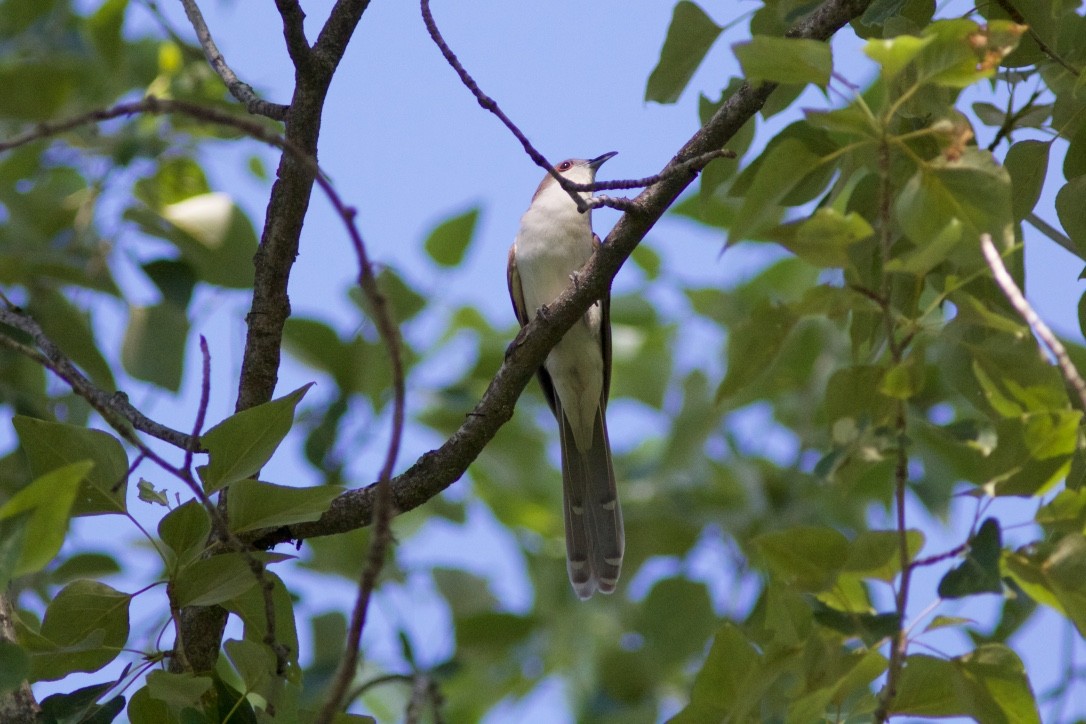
{"x": 242, "y": 91}
{"x": 53, "y": 359}
{"x": 1018, "y": 300}
{"x": 437, "y": 469}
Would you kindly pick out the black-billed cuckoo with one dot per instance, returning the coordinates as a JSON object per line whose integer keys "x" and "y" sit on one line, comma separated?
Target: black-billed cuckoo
{"x": 553, "y": 243}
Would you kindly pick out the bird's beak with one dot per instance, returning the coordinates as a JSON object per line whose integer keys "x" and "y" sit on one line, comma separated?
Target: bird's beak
{"x": 599, "y": 160}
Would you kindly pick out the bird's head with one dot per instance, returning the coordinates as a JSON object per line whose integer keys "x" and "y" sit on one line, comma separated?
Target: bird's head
{"x": 577, "y": 170}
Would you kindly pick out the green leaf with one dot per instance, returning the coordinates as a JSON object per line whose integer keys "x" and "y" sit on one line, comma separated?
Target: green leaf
{"x": 929, "y": 253}
{"x": 105, "y": 30}
{"x": 177, "y": 690}
{"x": 876, "y": 553}
{"x": 972, "y": 189}
{"x": 213, "y": 235}
{"x": 404, "y": 301}
{"x": 806, "y": 557}
{"x": 1071, "y": 209}
{"x": 81, "y": 706}
{"x": 730, "y": 682}
{"x": 979, "y": 573}
{"x": 781, "y": 169}
{"x": 255, "y": 662}
{"x": 250, "y": 608}
{"x": 174, "y": 279}
{"x": 48, "y": 501}
{"x": 253, "y": 504}
{"x": 149, "y": 494}
{"x": 241, "y": 444}
{"x": 1052, "y": 574}
{"x": 988, "y": 685}
{"x": 904, "y": 380}
{"x": 14, "y": 666}
{"x": 1027, "y": 164}
{"x": 689, "y": 38}
{"x": 85, "y": 565}
{"x": 893, "y": 54}
{"x": 676, "y": 618}
{"x": 449, "y": 240}
{"x": 154, "y": 344}
{"x": 823, "y": 239}
{"x": 185, "y": 530}
{"x": 174, "y": 180}
{"x": 492, "y": 630}
{"x": 143, "y": 709}
{"x": 753, "y": 346}
{"x": 785, "y": 60}
{"x": 1074, "y": 161}
{"x": 53, "y": 85}
{"x": 939, "y": 622}
{"x": 209, "y": 581}
{"x": 50, "y": 445}
{"x": 84, "y": 628}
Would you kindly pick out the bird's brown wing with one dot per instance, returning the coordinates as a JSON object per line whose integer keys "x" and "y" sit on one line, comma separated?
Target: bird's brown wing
{"x": 520, "y": 309}
{"x": 516, "y": 293}
{"x": 605, "y": 333}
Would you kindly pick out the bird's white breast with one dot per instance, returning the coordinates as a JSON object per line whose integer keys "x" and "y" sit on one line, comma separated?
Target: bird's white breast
{"x": 553, "y": 243}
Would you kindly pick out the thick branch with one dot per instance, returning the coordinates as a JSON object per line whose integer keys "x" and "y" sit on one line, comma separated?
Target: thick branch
{"x": 440, "y": 468}
{"x": 287, "y": 208}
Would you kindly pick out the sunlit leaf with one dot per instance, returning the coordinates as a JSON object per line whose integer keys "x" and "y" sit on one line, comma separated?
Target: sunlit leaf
{"x": 808, "y": 558}
{"x": 49, "y": 445}
{"x": 449, "y": 240}
{"x": 84, "y": 628}
{"x": 47, "y": 503}
{"x": 785, "y": 60}
{"x": 254, "y": 504}
{"x": 241, "y": 444}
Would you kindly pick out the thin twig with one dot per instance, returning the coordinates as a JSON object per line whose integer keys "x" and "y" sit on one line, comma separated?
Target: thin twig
{"x": 205, "y": 399}
{"x": 383, "y": 506}
{"x": 114, "y": 408}
{"x": 691, "y": 165}
{"x": 940, "y": 557}
{"x": 242, "y": 91}
{"x": 899, "y": 642}
{"x": 1018, "y": 301}
{"x": 1053, "y": 233}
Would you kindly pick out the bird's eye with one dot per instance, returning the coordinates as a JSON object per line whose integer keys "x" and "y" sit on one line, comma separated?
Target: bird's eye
{"x": 565, "y": 166}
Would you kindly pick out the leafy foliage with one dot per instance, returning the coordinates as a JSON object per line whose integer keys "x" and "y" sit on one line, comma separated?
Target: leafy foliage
{"x": 875, "y": 344}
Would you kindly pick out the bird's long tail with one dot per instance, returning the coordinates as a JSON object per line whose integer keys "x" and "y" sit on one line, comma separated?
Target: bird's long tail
{"x": 594, "y": 536}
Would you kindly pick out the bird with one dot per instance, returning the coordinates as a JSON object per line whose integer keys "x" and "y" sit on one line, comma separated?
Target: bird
{"x": 553, "y": 242}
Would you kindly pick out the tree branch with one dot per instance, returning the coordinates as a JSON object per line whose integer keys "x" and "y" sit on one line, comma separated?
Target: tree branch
{"x": 1044, "y": 332}
{"x": 294, "y": 33}
{"x": 17, "y": 706}
{"x": 242, "y": 91}
{"x": 53, "y": 359}
{"x": 437, "y": 469}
